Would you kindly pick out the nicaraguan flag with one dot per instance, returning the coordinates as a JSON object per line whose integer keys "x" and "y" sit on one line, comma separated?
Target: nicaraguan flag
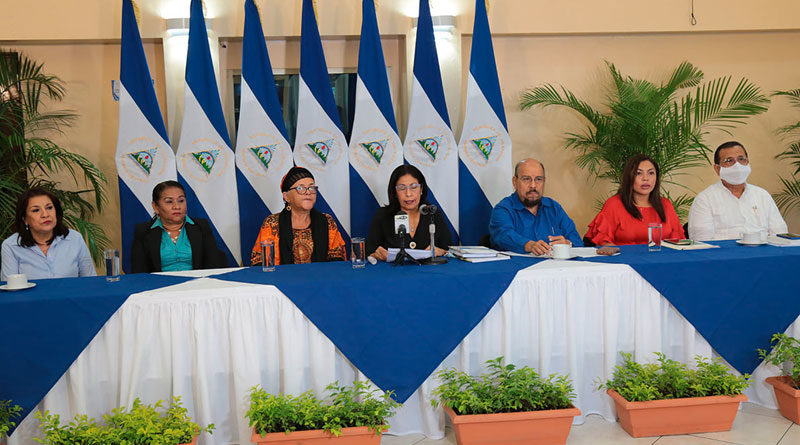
{"x": 263, "y": 154}
{"x": 320, "y": 145}
{"x": 375, "y": 147}
{"x": 485, "y": 147}
{"x": 429, "y": 143}
{"x": 205, "y": 159}
{"x": 144, "y": 157}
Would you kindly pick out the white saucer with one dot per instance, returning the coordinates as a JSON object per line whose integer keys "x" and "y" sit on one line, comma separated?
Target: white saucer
{"x": 758, "y": 243}
{"x": 571, "y": 256}
{"x": 27, "y": 286}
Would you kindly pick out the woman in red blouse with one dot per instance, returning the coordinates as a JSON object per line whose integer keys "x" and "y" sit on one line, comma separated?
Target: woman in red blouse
{"x": 625, "y": 216}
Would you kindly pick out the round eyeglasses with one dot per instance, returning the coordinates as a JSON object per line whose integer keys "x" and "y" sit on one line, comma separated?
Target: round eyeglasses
{"x": 727, "y": 162}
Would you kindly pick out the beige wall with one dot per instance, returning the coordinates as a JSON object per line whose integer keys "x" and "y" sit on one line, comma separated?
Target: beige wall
{"x": 536, "y": 41}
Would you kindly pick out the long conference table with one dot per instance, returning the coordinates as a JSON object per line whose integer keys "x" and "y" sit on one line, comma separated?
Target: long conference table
{"x": 85, "y": 346}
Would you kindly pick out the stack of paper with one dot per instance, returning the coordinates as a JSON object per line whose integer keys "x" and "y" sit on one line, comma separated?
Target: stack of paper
{"x": 476, "y": 254}
{"x": 687, "y": 244}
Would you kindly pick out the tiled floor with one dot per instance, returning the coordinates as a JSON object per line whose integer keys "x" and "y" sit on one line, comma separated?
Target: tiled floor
{"x": 754, "y": 425}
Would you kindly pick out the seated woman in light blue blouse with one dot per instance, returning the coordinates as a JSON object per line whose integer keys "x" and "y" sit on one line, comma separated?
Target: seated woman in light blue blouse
{"x": 43, "y": 247}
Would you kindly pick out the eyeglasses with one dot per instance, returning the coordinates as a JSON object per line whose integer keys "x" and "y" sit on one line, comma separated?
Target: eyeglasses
{"x": 403, "y": 187}
{"x": 305, "y": 190}
{"x": 528, "y": 179}
{"x": 727, "y": 162}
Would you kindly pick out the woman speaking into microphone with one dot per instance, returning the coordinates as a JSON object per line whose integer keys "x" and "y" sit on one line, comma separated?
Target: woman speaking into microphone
{"x": 407, "y": 192}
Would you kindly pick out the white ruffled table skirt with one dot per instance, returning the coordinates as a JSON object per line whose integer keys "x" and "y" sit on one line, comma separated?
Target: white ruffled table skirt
{"x": 210, "y": 341}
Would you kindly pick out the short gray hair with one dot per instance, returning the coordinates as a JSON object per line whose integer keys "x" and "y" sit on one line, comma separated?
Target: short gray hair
{"x": 516, "y": 167}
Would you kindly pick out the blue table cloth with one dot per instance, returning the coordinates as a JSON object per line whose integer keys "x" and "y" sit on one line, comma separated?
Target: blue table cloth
{"x": 395, "y": 324}
{"x": 735, "y": 296}
{"x": 45, "y": 328}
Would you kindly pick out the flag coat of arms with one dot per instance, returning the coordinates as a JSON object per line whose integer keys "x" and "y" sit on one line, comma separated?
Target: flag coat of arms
{"x": 375, "y": 147}
{"x": 429, "y": 144}
{"x": 263, "y": 154}
{"x": 320, "y": 145}
{"x": 144, "y": 157}
{"x": 485, "y": 146}
{"x": 205, "y": 160}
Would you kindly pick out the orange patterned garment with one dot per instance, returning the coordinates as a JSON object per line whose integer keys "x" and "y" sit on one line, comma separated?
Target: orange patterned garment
{"x": 303, "y": 244}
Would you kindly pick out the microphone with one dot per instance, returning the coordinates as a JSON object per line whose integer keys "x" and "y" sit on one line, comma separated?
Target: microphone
{"x": 401, "y": 223}
{"x": 428, "y": 209}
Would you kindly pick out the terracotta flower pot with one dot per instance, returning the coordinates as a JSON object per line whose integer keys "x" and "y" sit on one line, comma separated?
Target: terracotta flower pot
{"x": 788, "y": 397}
{"x": 676, "y": 416}
{"x": 530, "y": 427}
{"x": 360, "y": 435}
{"x": 193, "y": 442}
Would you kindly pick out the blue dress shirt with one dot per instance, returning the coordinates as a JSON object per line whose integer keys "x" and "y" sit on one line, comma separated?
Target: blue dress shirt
{"x": 177, "y": 255}
{"x": 512, "y": 224}
{"x": 67, "y": 257}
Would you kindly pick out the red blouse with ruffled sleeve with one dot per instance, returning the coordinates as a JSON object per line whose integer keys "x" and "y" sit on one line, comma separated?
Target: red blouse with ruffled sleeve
{"x": 616, "y": 226}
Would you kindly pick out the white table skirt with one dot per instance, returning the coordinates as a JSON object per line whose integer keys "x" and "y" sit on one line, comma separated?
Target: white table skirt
{"x": 210, "y": 341}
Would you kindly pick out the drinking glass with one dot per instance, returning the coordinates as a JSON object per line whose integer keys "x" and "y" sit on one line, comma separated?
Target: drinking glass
{"x": 654, "y": 237}
{"x": 267, "y": 256}
{"x": 359, "y": 253}
{"x": 111, "y": 257}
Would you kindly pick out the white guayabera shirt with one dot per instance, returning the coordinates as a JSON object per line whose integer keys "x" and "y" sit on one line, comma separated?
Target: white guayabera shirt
{"x": 717, "y": 214}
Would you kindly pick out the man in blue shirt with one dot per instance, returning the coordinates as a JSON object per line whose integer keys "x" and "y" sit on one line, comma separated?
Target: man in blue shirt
{"x": 526, "y": 221}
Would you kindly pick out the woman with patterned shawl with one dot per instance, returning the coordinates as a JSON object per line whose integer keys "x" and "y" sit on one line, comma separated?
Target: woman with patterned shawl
{"x": 301, "y": 233}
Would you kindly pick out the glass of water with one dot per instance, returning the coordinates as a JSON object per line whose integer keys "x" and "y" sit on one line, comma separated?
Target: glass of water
{"x": 359, "y": 253}
{"x": 111, "y": 257}
{"x": 654, "y": 237}
{"x": 267, "y": 256}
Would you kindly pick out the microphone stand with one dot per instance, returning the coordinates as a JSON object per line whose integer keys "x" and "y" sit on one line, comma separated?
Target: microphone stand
{"x": 403, "y": 257}
{"x": 434, "y": 260}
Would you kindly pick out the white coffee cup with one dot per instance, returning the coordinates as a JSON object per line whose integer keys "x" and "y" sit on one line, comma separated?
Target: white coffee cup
{"x": 561, "y": 251}
{"x": 751, "y": 237}
{"x": 17, "y": 281}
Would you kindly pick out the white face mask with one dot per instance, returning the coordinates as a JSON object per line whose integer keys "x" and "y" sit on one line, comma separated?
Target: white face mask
{"x": 735, "y": 174}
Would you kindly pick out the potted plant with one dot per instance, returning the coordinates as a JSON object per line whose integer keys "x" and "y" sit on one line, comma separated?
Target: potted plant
{"x": 667, "y": 397}
{"x": 666, "y": 120}
{"x": 507, "y": 405}
{"x": 785, "y": 354}
{"x": 352, "y": 415}
{"x": 143, "y": 424}
{"x": 7, "y": 413}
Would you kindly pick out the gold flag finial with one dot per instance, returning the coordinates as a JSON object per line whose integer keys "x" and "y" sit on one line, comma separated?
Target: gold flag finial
{"x": 487, "y": 6}
{"x": 316, "y": 16}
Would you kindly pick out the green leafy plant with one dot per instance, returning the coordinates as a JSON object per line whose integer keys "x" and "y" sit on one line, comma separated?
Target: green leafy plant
{"x": 789, "y": 197}
{"x": 502, "y": 389}
{"x": 666, "y": 121}
{"x": 142, "y": 424}
{"x": 347, "y": 406}
{"x": 29, "y": 157}
{"x": 785, "y": 349}
{"x": 670, "y": 379}
{"x": 8, "y": 412}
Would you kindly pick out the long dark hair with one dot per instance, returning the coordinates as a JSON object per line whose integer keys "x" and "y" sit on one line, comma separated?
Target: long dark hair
{"x": 25, "y": 236}
{"x": 405, "y": 169}
{"x": 626, "y": 187}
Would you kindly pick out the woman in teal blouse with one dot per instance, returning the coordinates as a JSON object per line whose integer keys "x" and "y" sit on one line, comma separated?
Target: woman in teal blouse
{"x": 171, "y": 240}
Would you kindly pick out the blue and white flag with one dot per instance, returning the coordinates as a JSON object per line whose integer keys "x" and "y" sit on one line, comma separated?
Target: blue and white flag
{"x": 375, "y": 147}
{"x": 144, "y": 157}
{"x": 429, "y": 143}
{"x": 205, "y": 159}
{"x": 263, "y": 153}
{"x": 320, "y": 145}
{"x": 485, "y": 147}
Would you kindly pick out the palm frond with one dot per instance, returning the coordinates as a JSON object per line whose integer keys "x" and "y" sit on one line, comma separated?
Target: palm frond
{"x": 789, "y": 197}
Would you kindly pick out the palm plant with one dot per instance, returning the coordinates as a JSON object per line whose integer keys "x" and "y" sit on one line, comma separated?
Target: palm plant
{"x": 789, "y": 197}
{"x": 29, "y": 157}
{"x": 667, "y": 122}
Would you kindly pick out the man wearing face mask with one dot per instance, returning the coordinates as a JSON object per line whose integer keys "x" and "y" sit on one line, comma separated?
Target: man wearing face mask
{"x": 526, "y": 220}
{"x": 731, "y": 207}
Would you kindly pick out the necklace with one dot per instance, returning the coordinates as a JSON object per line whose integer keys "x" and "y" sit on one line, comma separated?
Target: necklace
{"x": 174, "y": 238}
